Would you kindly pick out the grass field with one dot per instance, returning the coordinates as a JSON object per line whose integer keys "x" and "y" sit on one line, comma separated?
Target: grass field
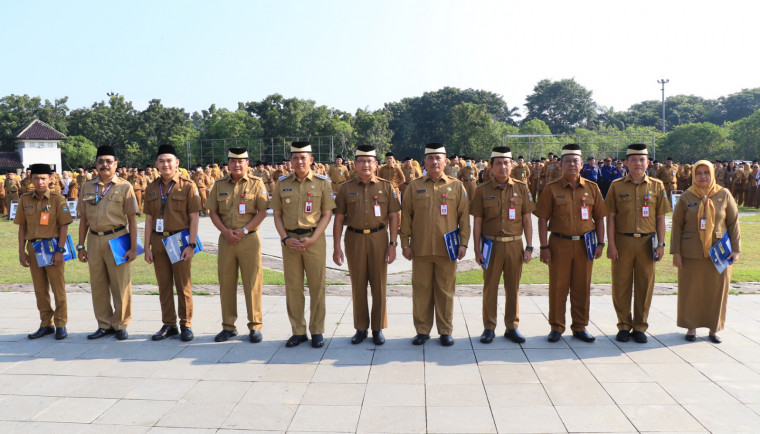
{"x": 204, "y": 265}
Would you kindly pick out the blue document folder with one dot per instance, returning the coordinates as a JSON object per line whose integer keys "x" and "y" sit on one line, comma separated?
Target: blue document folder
{"x": 485, "y": 249}
{"x": 120, "y": 246}
{"x": 720, "y": 252}
{"x": 45, "y": 249}
{"x": 590, "y": 239}
{"x": 176, "y": 243}
{"x": 452, "y": 244}
{"x": 654, "y": 248}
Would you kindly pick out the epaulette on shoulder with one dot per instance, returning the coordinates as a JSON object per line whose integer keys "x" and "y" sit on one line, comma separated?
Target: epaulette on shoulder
{"x": 322, "y": 177}
{"x": 517, "y": 181}
{"x": 283, "y": 177}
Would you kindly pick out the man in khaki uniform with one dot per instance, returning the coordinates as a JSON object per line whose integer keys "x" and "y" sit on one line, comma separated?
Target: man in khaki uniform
{"x": 265, "y": 176}
{"x": 238, "y": 204}
{"x": 570, "y": 207}
{"x": 203, "y": 182}
{"x": 637, "y": 208}
{"x": 302, "y": 207}
{"x": 338, "y": 173}
{"x": 434, "y": 205}
{"x": 390, "y": 171}
{"x": 3, "y": 209}
{"x": 501, "y": 208}
{"x": 410, "y": 173}
{"x": 172, "y": 204}
{"x": 107, "y": 204}
{"x": 668, "y": 175}
{"x": 26, "y": 183}
{"x": 468, "y": 175}
{"x": 56, "y": 184}
{"x": 41, "y": 215}
{"x": 139, "y": 183}
{"x": 720, "y": 174}
{"x": 521, "y": 171}
{"x": 368, "y": 206}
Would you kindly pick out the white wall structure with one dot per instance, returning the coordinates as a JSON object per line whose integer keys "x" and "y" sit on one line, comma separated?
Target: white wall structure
{"x": 37, "y": 143}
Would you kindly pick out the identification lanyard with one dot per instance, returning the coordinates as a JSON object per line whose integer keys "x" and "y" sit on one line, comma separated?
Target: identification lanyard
{"x": 241, "y": 205}
{"x": 584, "y": 209}
{"x": 645, "y": 208}
{"x": 308, "y": 206}
{"x": 45, "y": 215}
{"x": 703, "y": 223}
{"x": 444, "y": 206}
{"x": 164, "y": 197}
{"x": 512, "y": 210}
{"x": 377, "y": 208}
{"x": 98, "y": 198}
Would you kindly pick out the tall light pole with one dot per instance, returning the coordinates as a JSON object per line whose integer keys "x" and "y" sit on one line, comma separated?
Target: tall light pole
{"x": 662, "y": 82}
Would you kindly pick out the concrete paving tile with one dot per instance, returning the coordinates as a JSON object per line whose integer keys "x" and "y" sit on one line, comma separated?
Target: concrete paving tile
{"x": 81, "y": 367}
{"x": 21, "y": 346}
{"x": 10, "y": 384}
{"x": 619, "y": 373}
{"x": 260, "y": 417}
{"x": 516, "y": 395}
{"x": 249, "y": 354}
{"x": 34, "y": 427}
{"x": 217, "y": 391}
{"x": 702, "y": 352}
{"x": 195, "y": 414}
{"x": 359, "y": 355}
{"x": 455, "y": 395}
{"x": 396, "y": 419}
{"x": 449, "y": 357}
{"x": 570, "y": 373}
{"x": 638, "y": 393}
{"x": 529, "y": 419}
{"x": 725, "y": 417}
{"x": 649, "y": 356}
{"x": 341, "y": 374}
{"x": 52, "y": 385}
{"x": 64, "y": 351}
{"x": 131, "y": 368}
{"x": 397, "y": 356}
{"x": 460, "y": 420}
{"x": 288, "y": 373}
{"x": 747, "y": 392}
{"x": 13, "y": 407}
{"x": 77, "y": 410}
{"x": 301, "y": 354}
{"x": 670, "y": 418}
{"x": 694, "y": 392}
{"x": 404, "y": 373}
{"x": 596, "y": 418}
{"x": 8, "y": 361}
{"x": 311, "y": 418}
{"x": 275, "y": 393}
{"x": 390, "y": 395}
{"x": 160, "y": 389}
{"x": 33, "y": 366}
{"x": 468, "y": 374}
{"x": 135, "y": 412}
{"x": 727, "y": 372}
{"x": 105, "y": 387}
{"x": 500, "y": 356}
{"x": 184, "y": 369}
{"x": 566, "y": 394}
{"x": 673, "y": 372}
{"x": 203, "y": 353}
{"x": 334, "y": 394}
{"x": 508, "y": 374}
{"x": 602, "y": 355}
{"x": 551, "y": 355}
{"x": 236, "y": 372}
{"x": 112, "y": 429}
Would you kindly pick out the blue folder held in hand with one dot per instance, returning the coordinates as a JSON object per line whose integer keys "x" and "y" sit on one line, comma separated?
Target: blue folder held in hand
{"x": 452, "y": 244}
{"x": 485, "y": 250}
{"x": 720, "y": 252}
{"x": 120, "y": 246}
{"x": 45, "y": 249}
{"x": 176, "y": 243}
{"x": 590, "y": 239}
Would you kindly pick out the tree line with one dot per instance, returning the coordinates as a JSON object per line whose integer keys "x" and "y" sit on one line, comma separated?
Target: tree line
{"x": 469, "y": 121}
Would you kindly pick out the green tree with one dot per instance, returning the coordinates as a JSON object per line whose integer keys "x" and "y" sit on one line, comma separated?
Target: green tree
{"x": 564, "y": 105}
{"x": 77, "y": 151}
{"x": 372, "y": 129}
{"x": 474, "y": 131}
{"x": 739, "y": 105}
{"x": 745, "y": 133}
{"x": 112, "y": 123}
{"x": 692, "y": 142}
{"x": 16, "y": 111}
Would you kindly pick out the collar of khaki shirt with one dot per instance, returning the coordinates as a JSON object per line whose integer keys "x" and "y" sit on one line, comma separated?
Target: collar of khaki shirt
{"x": 372, "y": 180}
{"x": 629, "y": 178}
{"x": 45, "y": 195}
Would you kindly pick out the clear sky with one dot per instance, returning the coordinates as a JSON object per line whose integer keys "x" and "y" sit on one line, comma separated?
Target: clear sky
{"x": 361, "y": 54}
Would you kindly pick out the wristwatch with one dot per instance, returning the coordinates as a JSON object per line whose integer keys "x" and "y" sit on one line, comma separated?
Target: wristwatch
{"x": 284, "y": 240}
{"x": 60, "y": 250}
{"x": 80, "y": 247}
{"x": 245, "y": 230}
{"x": 661, "y": 245}
{"x": 393, "y": 243}
{"x": 529, "y": 248}
{"x": 600, "y": 244}
{"x": 193, "y": 245}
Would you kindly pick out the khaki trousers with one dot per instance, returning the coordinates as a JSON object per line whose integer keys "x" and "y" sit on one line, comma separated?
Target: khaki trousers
{"x": 633, "y": 270}
{"x": 506, "y": 260}
{"x": 365, "y": 255}
{"x": 312, "y": 262}
{"x": 569, "y": 272}
{"x": 46, "y": 279}
{"x": 169, "y": 275}
{"x": 109, "y": 281}
{"x": 139, "y": 197}
{"x": 246, "y": 257}
{"x": 433, "y": 286}
{"x": 3, "y": 208}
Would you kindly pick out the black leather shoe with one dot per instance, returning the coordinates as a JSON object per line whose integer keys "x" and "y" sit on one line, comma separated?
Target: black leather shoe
{"x": 225, "y": 334}
{"x": 61, "y": 333}
{"x": 165, "y": 332}
{"x": 420, "y": 339}
{"x": 296, "y": 340}
{"x": 186, "y": 333}
{"x": 359, "y": 337}
{"x": 487, "y": 336}
{"x": 447, "y": 340}
{"x": 255, "y": 336}
{"x": 716, "y": 339}
{"x": 584, "y": 335}
{"x": 515, "y": 336}
{"x": 99, "y": 333}
{"x": 42, "y": 331}
{"x": 317, "y": 341}
{"x": 690, "y": 338}
{"x": 121, "y": 334}
{"x": 623, "y": 336}
{"x": 639, "y": 337}
{"x": 377, "y": 337}
{"x": 554, "y": 336}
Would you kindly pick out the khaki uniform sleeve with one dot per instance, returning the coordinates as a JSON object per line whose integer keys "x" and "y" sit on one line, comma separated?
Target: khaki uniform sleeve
{"x": 732, "y": 224}
{"x": 663, "y": 204}
{"x": 407, "y": 214}
{"x": 20, "y": 218}
{"x": 528, "y": 206}
{"x": 262, "y": 198}
{"x": 600, "y": 207}
{"x": 545, "y": 204}
{"x": 476, "y": 202}
{"x": 463, "y": 211}
{"x": 193, "y": 198}
{"x": 328, "y": 203}
{"x": 130, "y": 202}
{"x": 211, "y": 202}
{"x": 394, "y": 203}
{"x": 64, "y": 215}
{"x": 276, "y": 202}
{"x": 612, "y": 198}
{"x": 677, "y": 227}
{"x": 340, "y": 200}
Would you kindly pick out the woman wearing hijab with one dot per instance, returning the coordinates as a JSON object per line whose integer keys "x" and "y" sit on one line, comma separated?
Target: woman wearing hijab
{"x": 702, "y": 215}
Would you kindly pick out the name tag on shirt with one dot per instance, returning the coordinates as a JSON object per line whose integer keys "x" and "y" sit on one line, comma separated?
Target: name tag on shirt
{"x": 645, "y": 211}
{"x": 702, "y": 224}
{"x": 444, "y": 209}
{"x": 512, "y": 213}
{"x": 377, "y": 210}
{"x": 159, "y": 225}
{"x": 584, "y": 213}
{"x": 44, "y": 218}
{"x": 241, "y": 208}
{"x": 308, "y": 206}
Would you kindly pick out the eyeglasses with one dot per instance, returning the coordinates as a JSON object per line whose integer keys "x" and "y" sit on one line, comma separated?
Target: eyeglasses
{"x": 106, "y": 162}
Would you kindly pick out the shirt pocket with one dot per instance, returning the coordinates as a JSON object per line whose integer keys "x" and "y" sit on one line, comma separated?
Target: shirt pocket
{"x": 29, "y": 210}
{"x": 223, "y": 202}
{"x": 491, "y": 208}
{"x": 289, "y": 200}
{"x": 250, "y": 203}
{"x": 178, "y": 203}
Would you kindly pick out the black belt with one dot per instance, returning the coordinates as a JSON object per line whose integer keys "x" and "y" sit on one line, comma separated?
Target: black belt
{"x": 366, "y": 231}
{"x": 168, "y": 233}
{"x": 638, "y": 235}
{"x": 35, "y": 240}
{"x": 112, "y": 231}
{"x": 669, "y": 183}
{"x": 300, "y": 231}
{"x": 568, "y": 237}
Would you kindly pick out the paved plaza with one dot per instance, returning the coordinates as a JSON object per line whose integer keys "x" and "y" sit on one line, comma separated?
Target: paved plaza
{"x": 109, "y": 386}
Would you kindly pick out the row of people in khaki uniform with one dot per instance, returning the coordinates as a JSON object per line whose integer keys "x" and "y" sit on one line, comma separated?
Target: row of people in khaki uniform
{"x": 367, "y": 206}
